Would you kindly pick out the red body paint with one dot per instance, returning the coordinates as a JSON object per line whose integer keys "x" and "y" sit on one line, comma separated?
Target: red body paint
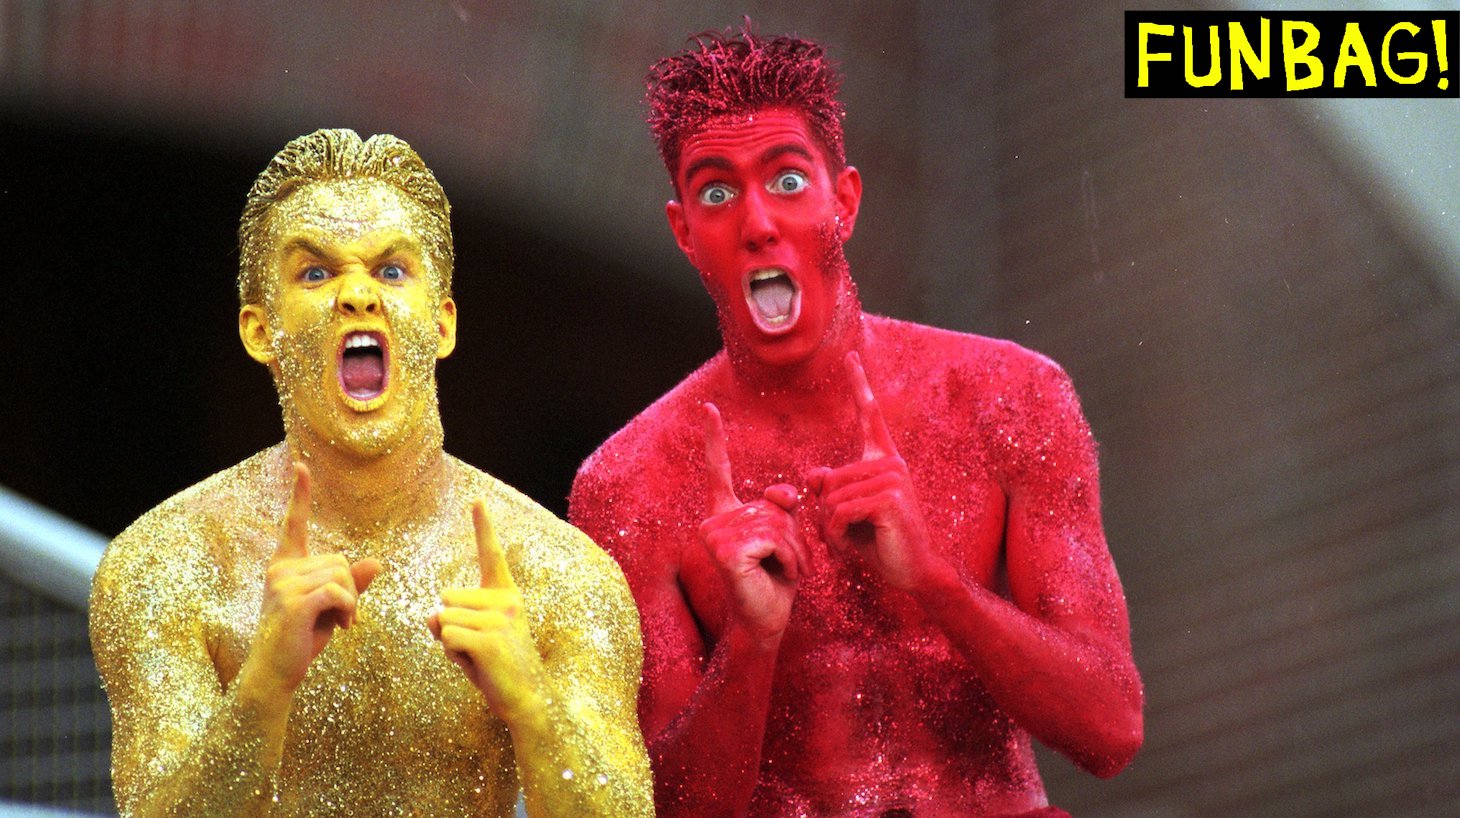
{"x": 942, "y": 593}
{"x": 871, "y": 703}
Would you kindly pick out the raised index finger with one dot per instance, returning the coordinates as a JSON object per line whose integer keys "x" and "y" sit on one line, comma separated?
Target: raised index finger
{"x": 876, "y": 440}
{"x": 719, "y": 489}
{"x": 495, "y": 573}
{"x": 294, "y": 538}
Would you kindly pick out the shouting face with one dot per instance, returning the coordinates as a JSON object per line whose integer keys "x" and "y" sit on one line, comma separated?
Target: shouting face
{"x": 762, "y": 217}
{"x": 353, "y": 317}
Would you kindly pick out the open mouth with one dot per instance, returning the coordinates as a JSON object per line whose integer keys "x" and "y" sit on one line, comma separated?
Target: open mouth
{"x": 775, "y": 300}
{"x": 364, "y": 365}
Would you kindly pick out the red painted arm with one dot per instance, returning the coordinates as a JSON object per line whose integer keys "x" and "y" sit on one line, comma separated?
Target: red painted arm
{"x": 702, "y": 708}
{"x": 1056, "y": 658}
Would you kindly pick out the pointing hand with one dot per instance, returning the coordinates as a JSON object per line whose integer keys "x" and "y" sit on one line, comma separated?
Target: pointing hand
{"x": 870, "y": 506}
{"x": 485, "y": 632}
{"x": 757, "y": 545}
{"x": 306, "y": 596}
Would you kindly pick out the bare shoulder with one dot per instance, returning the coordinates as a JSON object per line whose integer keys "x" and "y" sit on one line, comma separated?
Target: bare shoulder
{"x": 964, "y": 372}
{"x": 918, "y": 351}
{"x": 662, "y": 446}
{"x": 229, "y": 510}
{"x": 548, "y": 556}
{"x": 167, "y": 566}
{"x": 1014, "y": 407}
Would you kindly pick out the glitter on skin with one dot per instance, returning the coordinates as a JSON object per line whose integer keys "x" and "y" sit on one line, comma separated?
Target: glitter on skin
{"x": 971, "y": 607}
{"x": 382, "y": 722}
{"x": 307, "y": 329}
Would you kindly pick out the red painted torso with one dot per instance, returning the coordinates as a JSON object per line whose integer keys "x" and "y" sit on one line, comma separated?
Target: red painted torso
{"x": 872, "y": 709}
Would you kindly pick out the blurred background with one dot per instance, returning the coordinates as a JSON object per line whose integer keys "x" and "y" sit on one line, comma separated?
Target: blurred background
{"x": 1259, "y": 301}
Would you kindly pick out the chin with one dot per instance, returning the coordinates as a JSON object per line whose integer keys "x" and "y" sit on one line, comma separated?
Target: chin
{"x": 364, "y": 443}
{"x": 359, "y": 436}
{"x": 783, "y": 353}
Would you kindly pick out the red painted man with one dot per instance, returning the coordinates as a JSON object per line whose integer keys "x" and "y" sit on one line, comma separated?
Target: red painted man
{"x": 867, "y": 554}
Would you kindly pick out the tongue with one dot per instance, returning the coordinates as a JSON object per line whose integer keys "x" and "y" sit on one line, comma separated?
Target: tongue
{"x": 773, "y": 297}
{"x": 363, "y": 374}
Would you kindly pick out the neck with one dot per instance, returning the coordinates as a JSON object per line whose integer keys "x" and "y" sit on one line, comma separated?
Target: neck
{"x": 362, "y": 494}
{"x": 812, "y": 385}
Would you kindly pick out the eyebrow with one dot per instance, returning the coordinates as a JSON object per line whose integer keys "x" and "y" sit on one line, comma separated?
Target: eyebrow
{"x": 717, "y": 162}
{"x": 773, "y": 153}
{"x": 769, "y": 155}
{"x": 397, "y": 245}
{"x": 404, "y": 243}
{"x": 295, "y": 245}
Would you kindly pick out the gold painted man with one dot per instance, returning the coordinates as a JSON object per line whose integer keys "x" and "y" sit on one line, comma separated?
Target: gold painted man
{"x": 279, "y": 639}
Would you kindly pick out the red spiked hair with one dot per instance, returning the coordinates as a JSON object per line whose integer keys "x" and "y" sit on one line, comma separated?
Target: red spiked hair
{"x": 740, "y": 73}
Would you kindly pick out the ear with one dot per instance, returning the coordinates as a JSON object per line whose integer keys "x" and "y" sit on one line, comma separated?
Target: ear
{"x": 674, "y": 211}
{"x": 848, "y": 199}
{"x": 446, "y": 325}
{"x": 253, "y": 330}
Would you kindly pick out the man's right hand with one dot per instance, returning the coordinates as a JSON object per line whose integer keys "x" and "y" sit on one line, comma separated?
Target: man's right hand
{"x": 757, "y": 545}
{"x": 305, "y": 598}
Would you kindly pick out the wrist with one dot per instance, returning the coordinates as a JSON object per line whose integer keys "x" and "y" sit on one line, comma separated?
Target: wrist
{"x": 523, "y": 701}
{"x": 746, "y": 642}
{"x": 937, "y": 585}
{"x": 262, "y": 691}
{"x": 528, "y": 717}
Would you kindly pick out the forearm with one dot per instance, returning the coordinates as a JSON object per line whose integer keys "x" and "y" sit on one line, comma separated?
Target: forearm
{"x": 708, "y": 758}
{"x": 227, "y": 770}
{"x": 573, "y": 765}
{"x": 1074, "y": 692}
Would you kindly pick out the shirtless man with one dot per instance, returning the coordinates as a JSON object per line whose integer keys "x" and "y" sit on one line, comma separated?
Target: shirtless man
{"x": 867, "y": 554}
{"x": 269, "y": 637}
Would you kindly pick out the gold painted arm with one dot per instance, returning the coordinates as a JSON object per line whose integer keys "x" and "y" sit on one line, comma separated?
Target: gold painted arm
{"x": 181, "y": 746}
{"x": 580, "y": 753}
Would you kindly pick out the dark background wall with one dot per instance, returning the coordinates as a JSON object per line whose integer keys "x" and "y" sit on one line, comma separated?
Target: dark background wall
{"x": 1264, "y": 335}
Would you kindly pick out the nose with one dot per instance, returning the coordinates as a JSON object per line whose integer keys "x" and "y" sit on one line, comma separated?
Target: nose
{"x": 358, "y": 296}
{"x": 757, "y": 227}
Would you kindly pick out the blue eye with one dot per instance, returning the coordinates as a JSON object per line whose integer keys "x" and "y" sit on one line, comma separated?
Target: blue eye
{"x": 315, "y": 274}
{"x": 791, "y": 181}
{"x": 716, "y": 194}
{"x": 392, "y": 272}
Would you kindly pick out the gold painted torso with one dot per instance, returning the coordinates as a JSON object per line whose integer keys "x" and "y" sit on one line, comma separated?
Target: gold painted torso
{"x": 383, "y": 723}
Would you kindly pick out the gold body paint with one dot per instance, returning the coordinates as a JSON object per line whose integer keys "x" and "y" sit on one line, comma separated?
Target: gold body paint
{"x": 383, "y": 723}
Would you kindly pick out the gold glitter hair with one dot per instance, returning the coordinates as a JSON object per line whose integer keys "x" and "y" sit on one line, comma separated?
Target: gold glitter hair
{"x": 336, "y": 154}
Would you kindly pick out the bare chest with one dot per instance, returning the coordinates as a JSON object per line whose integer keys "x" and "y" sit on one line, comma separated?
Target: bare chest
{"x": 958, "y": 494}
{"x": 381, "y": 711}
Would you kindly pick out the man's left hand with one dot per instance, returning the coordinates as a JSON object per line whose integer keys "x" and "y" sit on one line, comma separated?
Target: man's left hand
{"x": 485, "y": 632}
{"x": 869, "y": 506}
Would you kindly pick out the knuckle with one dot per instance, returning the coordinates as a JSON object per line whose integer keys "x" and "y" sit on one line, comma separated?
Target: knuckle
{"x": 724, "y": 553}
{"x": 721, "y": 537}
{"x": 462, "y": 597}
{"x": 732, "y": 556}
{"x": 451, "y": 636}
{"x": 294, "y": 606}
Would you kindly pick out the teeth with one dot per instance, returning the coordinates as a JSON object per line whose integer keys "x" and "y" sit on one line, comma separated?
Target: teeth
{"x": 361, "y": 340}
{"x": 762, "y": 275}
